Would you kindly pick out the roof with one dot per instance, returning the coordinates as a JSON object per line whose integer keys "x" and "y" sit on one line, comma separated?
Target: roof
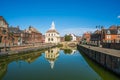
{"x": 2, "y": 19}
{"x": 52, "y": 30}
{"x": 15, "y": 30}
{"x": 32, "y": 29}
{"x": 97, "y": 32}
{"x": 112, "y": 31}
{"x": 113, "y": 27}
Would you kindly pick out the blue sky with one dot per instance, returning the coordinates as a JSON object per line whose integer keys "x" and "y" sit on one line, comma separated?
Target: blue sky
{"x": 70, "y": 16}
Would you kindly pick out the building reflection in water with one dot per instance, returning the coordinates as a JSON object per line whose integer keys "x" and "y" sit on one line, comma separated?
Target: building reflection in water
{"x": 51, "y": 55}
{"x": 29, "y": 58}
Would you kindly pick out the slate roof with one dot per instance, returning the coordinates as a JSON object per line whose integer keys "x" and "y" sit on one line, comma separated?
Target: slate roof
{"x": 112, "y": 31}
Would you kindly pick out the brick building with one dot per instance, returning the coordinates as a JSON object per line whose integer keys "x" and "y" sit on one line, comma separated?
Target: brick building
{"x": 16, "y": 35}
{"x": 86, "y": 38}
{"x": 31, "y": 35}
{"x": 5, "y": 38}
{"x": 111, "y": 37}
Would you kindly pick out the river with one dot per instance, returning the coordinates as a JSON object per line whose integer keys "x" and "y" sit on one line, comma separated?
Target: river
{"x": 52, "y": 64}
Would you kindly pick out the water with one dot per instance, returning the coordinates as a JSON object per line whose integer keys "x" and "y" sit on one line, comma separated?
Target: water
{"x": 53, "y": 64}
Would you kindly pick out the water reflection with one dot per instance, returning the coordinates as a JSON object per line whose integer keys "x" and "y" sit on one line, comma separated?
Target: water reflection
{"x": 56, "y": 63}
{"x": 4, "y": 61}
{"x": 3, "y": 70}
{"x": 51, "y": 55}
{"x": 69, "y": 51}
{"x": 103, "y": 73}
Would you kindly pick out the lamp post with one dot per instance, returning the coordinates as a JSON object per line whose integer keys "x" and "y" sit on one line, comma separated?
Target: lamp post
{"x": 100, "y": 35}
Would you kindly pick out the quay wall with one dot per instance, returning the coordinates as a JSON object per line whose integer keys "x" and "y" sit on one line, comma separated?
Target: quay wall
{"x": 27, "y": 50}
{"x": 109, "y": 62}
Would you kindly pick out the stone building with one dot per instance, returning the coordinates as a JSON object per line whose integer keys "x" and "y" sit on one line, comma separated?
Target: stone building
{"x": 52, "y": 36}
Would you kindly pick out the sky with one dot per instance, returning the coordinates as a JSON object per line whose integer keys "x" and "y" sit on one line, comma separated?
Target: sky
{"x": 70, "y": 16}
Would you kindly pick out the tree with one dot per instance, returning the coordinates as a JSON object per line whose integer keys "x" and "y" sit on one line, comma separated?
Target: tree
{"x": 67, "y": 51}
{"x": 68, "y": 38}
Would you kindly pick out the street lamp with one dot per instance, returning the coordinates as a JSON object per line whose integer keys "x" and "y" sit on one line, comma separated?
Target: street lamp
{"x": 100, "y": 35}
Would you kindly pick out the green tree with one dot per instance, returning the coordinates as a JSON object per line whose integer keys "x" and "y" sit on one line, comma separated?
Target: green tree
{"x": 68, "y": 38}
{"x": 67, "y": 51}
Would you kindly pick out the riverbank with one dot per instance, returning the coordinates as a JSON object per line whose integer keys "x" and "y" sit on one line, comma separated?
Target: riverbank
{"x": 26, "y": 49}
{"x": 108, "y": 58}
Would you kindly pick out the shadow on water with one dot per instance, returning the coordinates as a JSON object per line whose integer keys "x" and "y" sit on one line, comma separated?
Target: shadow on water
{"x": 102, "y": 72}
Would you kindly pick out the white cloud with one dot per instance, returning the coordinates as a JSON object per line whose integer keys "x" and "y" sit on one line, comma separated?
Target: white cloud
{"x": 118, "y": 17}
{"x": 76, "y": 31}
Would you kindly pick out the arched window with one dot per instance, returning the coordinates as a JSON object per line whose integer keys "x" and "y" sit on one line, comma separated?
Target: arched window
{"x": 48, "y": 39}
{"x": 51, "y": 39}
{"x": 51, "y": 51}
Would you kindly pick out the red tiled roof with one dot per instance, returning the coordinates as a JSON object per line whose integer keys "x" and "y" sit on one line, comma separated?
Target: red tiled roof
{"x": 113, "y": 27}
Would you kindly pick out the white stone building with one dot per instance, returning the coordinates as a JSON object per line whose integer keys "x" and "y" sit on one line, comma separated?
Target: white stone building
{"x": 52, "y": 36}
{"x": 74, "y": 38}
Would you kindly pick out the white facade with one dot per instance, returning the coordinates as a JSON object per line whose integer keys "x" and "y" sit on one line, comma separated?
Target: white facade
{"x": 74, "y": 38}
{"x": 52, "y": 36}
{"x": 52, "y": 55}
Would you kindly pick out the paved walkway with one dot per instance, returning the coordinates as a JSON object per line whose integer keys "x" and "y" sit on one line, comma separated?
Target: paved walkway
{"x": 112, "y": 52}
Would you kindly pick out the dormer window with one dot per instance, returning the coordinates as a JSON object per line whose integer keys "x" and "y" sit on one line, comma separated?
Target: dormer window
{"x": 118, "y": 31}
{"x": 108, "y": 32}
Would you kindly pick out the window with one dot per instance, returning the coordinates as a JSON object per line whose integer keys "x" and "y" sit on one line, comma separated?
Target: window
{"x": 51, "y": 34}
{"x": 118, "y": 31}
{"x": 108, "y": 36}
{"x": 51, "y": 51}
{"x": 117, "y": 41}
{"x": 48, "y": 51}
{"x": 4, "y": 31}
{"x": 108, "y": 41}
{"x": 108, "y": 32}
{"x": 48, "y": 39}
{"x": 51, "y": 39}
{"x": 118, "y": 36}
